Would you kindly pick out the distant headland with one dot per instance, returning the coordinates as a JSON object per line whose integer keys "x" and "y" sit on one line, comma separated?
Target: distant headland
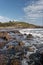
{"x": 18, "y": 25}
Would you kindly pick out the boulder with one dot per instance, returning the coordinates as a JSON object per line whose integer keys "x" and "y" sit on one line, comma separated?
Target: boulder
{"x": 9, "y": 47}
{"x": 16, "y": 31}
{"x": 3, "y": 59}
{"x": 30, "y": 49}
{"x": 18, "y": 48}
{"x": 15, "y": 62}
{"x": 29, "y": 36}
{"x": 21, "y": 43}
{"x": 1, "y": 34}
{"x": 35, "y": 58}
{"x": 5, "y": 36}
{"x": 41, "y": 57}
{"x": 2, "y": 44}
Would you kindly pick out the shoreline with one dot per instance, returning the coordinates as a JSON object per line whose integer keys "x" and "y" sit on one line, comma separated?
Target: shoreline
{"x": 21, "y": 27}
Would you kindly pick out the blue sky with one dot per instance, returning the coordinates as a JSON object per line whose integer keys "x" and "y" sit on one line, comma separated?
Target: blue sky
{"x": 30, "y": 11}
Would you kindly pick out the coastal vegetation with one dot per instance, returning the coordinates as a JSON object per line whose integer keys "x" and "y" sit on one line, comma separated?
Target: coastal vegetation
{"x": 19, "y": 25}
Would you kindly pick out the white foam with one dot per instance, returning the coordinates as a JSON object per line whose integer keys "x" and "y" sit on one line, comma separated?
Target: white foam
{"x": 24, "y": 62}
{"x": 34, "y": 32}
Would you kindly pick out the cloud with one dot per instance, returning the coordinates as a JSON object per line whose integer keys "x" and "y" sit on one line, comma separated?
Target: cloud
{"x": 34, "y": 11}
{"x": 4, "y": 19}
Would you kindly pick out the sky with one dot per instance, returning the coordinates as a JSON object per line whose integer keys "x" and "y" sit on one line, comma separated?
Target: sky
{"x": 30, "y": 11}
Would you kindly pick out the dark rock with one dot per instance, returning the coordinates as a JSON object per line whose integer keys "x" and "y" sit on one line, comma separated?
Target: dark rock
{"x": 2, "y": 44}
{"x": 35, "y": 58}
{"x": 21, "y": 43}
{"x": 16, "y": 31}
{"x": 15, "y": 62}
{"x": 41, "y": 58}
{"x": 29, "y": 36}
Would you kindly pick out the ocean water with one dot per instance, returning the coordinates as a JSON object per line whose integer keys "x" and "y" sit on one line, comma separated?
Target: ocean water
{"x": 37, "y": 33}
{"x": 36, "y": 42}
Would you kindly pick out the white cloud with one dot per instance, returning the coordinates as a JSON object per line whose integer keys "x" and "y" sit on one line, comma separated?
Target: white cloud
{"x": 34, "y": 11}
{"x": 4, "y": 19}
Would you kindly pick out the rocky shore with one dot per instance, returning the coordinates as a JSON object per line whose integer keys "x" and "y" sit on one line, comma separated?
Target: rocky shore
{"x": 16, "y": 49}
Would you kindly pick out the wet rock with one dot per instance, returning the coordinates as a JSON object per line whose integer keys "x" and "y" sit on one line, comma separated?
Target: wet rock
{"x": 31, "y": 49}
{"x": 24, "y": 62}
{"x": 15, "y": 62}
{"x": 5, "y": 36}
{"x": 2, "y": 44}
{"x": 21, "y": 43}
{"x": 3, "y": 59}
{"x": 29, "y": 36}
{"x": 1, "y": 34}
{"x": 25, "y": 34}
{"x": 16, "y": 31}
{"x": 41, "y": 58}
{"x": 35, "y": 58}
{"x": 9, "y": 47}
{"x": 39, "y": 46}
{"x": 18, "y": 48}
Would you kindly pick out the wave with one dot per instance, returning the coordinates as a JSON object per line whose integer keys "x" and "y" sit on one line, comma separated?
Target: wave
{"x": 34, "y": 32}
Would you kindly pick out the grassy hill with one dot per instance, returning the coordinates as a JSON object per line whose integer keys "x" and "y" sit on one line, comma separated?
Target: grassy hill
{"x": 18, "y": 25}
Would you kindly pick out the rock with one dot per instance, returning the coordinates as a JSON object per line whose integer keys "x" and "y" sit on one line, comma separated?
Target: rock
{"x": 25, "y": 34}
{"x": 37, "y": 58}
{"x": 2, "y": 44}
{"x": 30, "y": 49}
{"x": 29, "y": 36}
{"x": 9, "y": 47}
{"x": 18, "y": 48}
{"x": 41, "y": 58}
{"x": 15, "y": 62}
{"x": 21, "y": 43}
{"x": 16, "y": 31}
{"x": 3, "y": 59}
{"x": 5, "y": 36}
